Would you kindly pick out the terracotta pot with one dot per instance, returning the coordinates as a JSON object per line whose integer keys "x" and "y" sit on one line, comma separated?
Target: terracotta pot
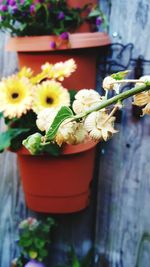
{"x": 58, "y": 184}
{"x": 83, "y": 47}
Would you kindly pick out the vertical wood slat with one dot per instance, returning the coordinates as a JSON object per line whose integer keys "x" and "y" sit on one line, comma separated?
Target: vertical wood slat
{"x": 123, "y": 225}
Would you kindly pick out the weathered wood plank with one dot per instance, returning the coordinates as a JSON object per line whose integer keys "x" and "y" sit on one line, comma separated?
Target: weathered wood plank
{"x": 123, "y": 224}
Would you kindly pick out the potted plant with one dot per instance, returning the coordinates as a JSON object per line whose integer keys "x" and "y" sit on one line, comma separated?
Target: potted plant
{"x": 47, "y": 31}
{"x": 25, "y": 99}
{"x": 33, "y": 241}
{"x": 39, "y": 115}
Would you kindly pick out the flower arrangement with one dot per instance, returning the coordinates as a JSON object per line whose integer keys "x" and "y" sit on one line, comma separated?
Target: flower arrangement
{"x": 34, "y": 238}
{"x": 30, "y": 18}
{"x": 43, "y": 115}
{"x": 24, "y": 97}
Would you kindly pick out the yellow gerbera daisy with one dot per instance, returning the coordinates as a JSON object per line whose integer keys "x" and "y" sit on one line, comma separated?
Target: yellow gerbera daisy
{"x": 25, "y": 72}
{"x": 50, "y": 94}
{"x": 15, "y": 96}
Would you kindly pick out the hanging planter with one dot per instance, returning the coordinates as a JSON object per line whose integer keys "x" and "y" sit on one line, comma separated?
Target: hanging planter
{"x": 82, "y": 47}
{"x": 58, "y": 184}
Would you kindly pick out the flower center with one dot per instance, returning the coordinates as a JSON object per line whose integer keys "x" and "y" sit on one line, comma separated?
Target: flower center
{"x": 49, "y": 100}
{"x": 15, "y": 95}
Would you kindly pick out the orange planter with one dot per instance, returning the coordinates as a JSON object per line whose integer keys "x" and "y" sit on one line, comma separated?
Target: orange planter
{"x": 58, "y": 184}
{"x": 82, "y": 47}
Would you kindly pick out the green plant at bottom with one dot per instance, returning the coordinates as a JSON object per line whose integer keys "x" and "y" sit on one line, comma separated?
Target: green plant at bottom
{"x": 34, "y": 238}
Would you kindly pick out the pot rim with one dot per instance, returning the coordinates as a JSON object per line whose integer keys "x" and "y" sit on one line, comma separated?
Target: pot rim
{"x": 42, "y": 43}
{"x": 66, "y": 150}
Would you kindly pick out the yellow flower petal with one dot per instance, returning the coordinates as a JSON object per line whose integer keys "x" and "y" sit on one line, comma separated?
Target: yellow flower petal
{"x": 50, "y": 94}
{"x": 16, "y": 96}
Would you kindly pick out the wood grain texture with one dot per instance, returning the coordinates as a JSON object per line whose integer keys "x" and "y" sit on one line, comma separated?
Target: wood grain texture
{"x": 12, "y": 207}
{"x": 123, "y": 225}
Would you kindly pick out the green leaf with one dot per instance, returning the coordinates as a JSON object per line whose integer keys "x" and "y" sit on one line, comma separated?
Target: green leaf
{"x": 39, "y": 243}
{"x": 63, "y": 114}
{"x": 6, "y": 137}
{"x": 94, "y": 13}
{"x": 5, "y": 140}
{"x": 25, "y": 242}
{"x": 120, "y": 75}
{"x": 1, "y": 114}
{"x": 43, "y": 253}
{"x": 52, "y": 149}
{"x": 74, "y": 259}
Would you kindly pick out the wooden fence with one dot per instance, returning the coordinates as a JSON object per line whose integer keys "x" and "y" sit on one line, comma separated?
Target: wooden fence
{"x": 118, "y": 219}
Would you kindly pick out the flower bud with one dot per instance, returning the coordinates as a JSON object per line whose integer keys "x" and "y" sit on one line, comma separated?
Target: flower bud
{"x": 33, "y": 143}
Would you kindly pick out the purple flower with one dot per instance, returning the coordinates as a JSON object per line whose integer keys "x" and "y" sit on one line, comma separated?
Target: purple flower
{"x": 98, "y": 21}
{"x": 34, "y": 263}
{"x": 3, "y": 8}
{"x": 64, "y": 35}
{"x": 61, "y": 15}
{"x": 32, "y": 8}
{"x": 52, "y": 44}
{"x": 11, "y": 2}
{"x": 14, "y": 8}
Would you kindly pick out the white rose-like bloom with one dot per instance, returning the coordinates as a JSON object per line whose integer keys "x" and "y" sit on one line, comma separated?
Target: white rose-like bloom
{"x": 71, "y": 133}
{"x": 45, "y": 118}
{"x": 108, "y": 84}
{"x": 84, "y": 99}
{"x": 143, "y": 99}
{"x": 98, "y": 126}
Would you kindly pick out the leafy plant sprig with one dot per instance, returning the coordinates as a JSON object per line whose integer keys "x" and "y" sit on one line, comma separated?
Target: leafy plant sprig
{"x": 34, "y": 238}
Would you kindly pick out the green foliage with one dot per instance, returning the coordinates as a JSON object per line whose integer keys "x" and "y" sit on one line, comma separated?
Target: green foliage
{"x": 72, "y": 96}
{"x": 34, "y": 238}
{"x": 63, "y": 114}
{"x": 9, "y": 136}
{"x": 42, "y": 18}
{"x": 17, "y": 131}
{"x": 120, "y": 75}
{"x": 73, "y": 260}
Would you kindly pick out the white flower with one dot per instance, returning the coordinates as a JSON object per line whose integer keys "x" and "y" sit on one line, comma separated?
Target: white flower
{"x": 45, "y": 118}
{"x": 71, "y": 133}
{"x": 109, "y": 83}
{"x": 99, "y": 126}
{"x": 84, "y": 99}
{"x": 143, "y": 98}
{"x": 145, "y": 78}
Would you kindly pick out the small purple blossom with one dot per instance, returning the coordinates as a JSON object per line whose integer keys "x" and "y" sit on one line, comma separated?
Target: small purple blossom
{"x": 64, "y": 35}
{"x": 14, "y": 8}
{"x": 53, "y": 44}
{"x": 3, "y": 8}
{"x": 11, "y": 2}
{"x": 34, "y": 263}
{"x": 32, "y": 8}
{"x": 61, "y": 15}
{"x": 98, "y": 21}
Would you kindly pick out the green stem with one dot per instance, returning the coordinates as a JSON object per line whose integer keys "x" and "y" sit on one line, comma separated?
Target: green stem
{"x": 113, "y": 100}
